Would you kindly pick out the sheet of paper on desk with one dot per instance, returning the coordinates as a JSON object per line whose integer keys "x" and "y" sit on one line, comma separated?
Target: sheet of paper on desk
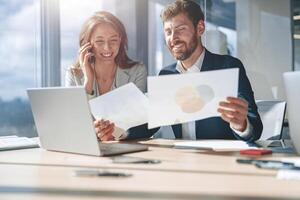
{"x": 125, "y": 106}
{"x": 215, "y": 145}
{"x": 288, "y": 175}
{"x": 175, "y": 99}
{"x": 295, "y": 161}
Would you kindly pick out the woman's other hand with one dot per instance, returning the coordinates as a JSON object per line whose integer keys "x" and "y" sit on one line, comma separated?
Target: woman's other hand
{"x": 104, "y": 130}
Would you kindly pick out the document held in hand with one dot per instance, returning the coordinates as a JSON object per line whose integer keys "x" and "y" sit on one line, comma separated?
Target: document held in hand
{"x": 125, "y": 106}
{"x": 176, "y": 99}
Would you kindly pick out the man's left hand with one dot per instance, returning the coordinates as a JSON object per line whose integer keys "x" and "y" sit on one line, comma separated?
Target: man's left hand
{"x": 234, "y": 111}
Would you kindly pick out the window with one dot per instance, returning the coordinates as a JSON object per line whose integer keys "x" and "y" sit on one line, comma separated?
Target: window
{"x": 19, "y": 50}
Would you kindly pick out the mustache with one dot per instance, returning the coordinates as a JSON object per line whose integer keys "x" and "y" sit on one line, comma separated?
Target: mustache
{"x": 177, "y": 42}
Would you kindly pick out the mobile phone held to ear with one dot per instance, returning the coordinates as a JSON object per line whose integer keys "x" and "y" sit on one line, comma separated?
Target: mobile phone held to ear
{"x": 92, "y": 58}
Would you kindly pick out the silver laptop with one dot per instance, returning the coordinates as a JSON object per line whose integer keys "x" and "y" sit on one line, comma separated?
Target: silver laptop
{"x": 292, "y": 85}
{"x": 64, "y": 123}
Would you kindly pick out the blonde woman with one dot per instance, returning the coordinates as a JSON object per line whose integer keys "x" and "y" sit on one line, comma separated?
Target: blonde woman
{"x": 103, "y": 65}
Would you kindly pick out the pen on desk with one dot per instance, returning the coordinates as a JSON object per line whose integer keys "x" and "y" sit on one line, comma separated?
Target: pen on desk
{"x": 134, "y": 160}
{"x": 269, "y": 164}
{"x": 253, "y": 161}
{"x": 147, "y": 161}
{"x": 250, "y": 161}
{"x": 91, "y": 172}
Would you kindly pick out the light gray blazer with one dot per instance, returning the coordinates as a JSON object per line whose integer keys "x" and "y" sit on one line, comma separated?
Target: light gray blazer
{"x": 136, "y": 74}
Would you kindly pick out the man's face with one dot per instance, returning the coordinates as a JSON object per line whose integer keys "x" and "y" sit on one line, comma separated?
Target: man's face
{"x": 181, "y": 36}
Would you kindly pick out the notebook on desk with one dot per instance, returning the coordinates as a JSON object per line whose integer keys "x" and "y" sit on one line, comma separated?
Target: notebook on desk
{"x": 215, "y": 145}
{"x": 14, "y": 142}
{"x": 64, "y": 123}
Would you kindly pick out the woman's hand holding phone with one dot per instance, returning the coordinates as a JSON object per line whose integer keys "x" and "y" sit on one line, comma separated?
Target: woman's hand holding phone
{"x": 85, "y": 56}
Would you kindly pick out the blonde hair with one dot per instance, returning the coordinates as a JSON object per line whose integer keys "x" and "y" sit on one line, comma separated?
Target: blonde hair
{"x": 122, "y": 59}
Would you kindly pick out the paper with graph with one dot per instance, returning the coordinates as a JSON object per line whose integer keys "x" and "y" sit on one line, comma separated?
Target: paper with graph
{"x": 175, "y": 99}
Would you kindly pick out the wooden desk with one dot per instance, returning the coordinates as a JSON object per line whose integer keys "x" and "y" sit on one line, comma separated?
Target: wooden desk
{"x": 172, "y": 160}
{"x": 183, "y": 174}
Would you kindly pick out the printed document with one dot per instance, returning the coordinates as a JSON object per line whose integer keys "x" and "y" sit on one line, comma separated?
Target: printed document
{"x": 125, "y": 106}
{"x": 215, "y": 145}
{"x": 176, "y": 99}
{"x": 284, "y": 174}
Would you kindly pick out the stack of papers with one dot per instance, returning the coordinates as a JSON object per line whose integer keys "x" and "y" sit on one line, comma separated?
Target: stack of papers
{"x": 15, "y": 142}
{"x": 288, "y": 175}
{"x": 215, "y": 145}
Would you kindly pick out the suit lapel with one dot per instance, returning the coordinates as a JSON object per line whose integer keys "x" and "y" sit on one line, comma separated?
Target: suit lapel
{"x": 208, "y": 59}
{"x": 177, "y": 129}
{"x": 173, "y": 70}
{"x": 122, "y": 77}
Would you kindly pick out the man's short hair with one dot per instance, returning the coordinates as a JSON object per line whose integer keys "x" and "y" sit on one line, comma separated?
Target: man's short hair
{"x": 188, "y": 7}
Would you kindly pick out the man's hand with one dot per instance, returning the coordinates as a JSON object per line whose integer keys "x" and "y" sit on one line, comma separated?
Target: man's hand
{"x": 104, "y": 129}
{"x": 234, "y": 111}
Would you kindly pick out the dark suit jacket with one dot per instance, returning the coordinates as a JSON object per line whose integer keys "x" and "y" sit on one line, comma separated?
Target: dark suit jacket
{"x": 215, "y": 127}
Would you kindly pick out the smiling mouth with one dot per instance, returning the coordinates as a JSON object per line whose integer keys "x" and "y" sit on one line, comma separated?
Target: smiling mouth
{"x": 106, "y": 55}
{"x": 177, "y": 47}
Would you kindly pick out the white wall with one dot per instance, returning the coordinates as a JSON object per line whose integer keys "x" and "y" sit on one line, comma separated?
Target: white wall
{"x": 264, "y": 44}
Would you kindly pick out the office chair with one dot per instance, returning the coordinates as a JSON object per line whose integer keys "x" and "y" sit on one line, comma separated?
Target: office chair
{"x": 272, "y": 114}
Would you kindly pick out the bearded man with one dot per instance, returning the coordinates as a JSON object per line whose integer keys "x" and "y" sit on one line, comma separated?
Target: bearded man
{"x": 183, "y": 23}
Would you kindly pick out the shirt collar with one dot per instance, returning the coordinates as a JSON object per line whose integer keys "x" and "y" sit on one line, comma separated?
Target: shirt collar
{"x": 196, "y": 67}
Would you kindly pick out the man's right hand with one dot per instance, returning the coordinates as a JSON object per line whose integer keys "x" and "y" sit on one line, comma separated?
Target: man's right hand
{"x": 104, "y": 130}
{"x": 85, "y": 55}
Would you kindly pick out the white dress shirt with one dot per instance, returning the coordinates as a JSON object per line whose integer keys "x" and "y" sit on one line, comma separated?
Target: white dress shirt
{"x": 189, "y": 128}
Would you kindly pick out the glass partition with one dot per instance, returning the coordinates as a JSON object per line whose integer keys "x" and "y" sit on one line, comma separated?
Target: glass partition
{"x": 296, "y": 32}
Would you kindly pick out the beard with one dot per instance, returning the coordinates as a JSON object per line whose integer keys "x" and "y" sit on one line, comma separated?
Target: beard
{"x": 187, "y": 49}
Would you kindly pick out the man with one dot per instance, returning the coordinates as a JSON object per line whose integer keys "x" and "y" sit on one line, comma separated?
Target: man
{"x": 183, "y": 23}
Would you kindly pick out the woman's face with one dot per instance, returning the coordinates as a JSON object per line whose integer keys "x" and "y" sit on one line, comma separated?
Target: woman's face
{"x": 105, "y": 42}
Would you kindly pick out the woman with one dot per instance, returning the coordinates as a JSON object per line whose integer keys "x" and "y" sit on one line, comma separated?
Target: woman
{"x": 103, "y": 65}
